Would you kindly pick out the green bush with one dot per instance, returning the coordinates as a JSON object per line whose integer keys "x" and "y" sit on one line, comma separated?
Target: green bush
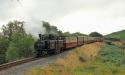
{"x": 111, "y": 54}
{"x": 4, "y": 42}
{"x": 95, "y": 34}
{"x": 20, "y": 47}
{"x": 2, "y": 58}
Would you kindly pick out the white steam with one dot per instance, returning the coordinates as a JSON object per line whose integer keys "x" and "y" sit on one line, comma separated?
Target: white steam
{"x": 34, "y": 27}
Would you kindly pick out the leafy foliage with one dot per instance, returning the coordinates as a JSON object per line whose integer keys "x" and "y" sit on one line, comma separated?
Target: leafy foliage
{"x": 78, "y": 34}
{"x": 95, "y": 34}
{"x": 13, "y": 27}
{"x": 20, "y": 47}
{"x": 73, "y": 34}
{"x": 67, "y": 34}
{"x": 4, "y": 42}
{"x": 111, "y": 54}
{"x": 15, "y": 43}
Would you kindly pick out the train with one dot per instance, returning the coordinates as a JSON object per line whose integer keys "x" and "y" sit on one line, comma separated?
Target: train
{"x": 50, "y": 43}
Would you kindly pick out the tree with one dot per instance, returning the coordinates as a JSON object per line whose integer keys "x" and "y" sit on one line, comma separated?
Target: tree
{"x": 60, "y": 32}
{"x": 78, "y": 34}
{"x": 95, "y": 34}
{"x": 20, "y": 47}
{"x": 4, "y": 42}
{"x": 13, "y": 27}
{"x": 20, "y": 44}
{"x": 67, "y": 34}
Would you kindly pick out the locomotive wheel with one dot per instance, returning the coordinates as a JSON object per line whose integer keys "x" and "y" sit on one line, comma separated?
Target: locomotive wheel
{"x": 43, "y": 53}
{"x": 61, "y": 50}
{"x": 57, "y": 51}
{"x": 37, "y": 55}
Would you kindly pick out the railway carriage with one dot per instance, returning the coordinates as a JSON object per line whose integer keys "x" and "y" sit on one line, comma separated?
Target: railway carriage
{"x": 98, "y": 39}
{"x": 80, "y": 40}
{"x": 70, "y": 42}
{"x": 86, "y": 39}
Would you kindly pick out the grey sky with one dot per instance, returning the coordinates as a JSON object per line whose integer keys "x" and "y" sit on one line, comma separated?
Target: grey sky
{"x": 104, "y": 16}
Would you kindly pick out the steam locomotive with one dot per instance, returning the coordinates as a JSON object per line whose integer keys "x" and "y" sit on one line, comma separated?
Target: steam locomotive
{"x": 50, "y": 43}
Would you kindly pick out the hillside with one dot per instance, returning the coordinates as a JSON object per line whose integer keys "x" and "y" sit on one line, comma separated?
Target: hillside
{"x": 118, "y": 34}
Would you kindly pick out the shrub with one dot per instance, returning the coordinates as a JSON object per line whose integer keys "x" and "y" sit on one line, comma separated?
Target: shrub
{"x": 19, "y": 47}
{"x": 111, "y": 54}
{"x": 4, "y": 42}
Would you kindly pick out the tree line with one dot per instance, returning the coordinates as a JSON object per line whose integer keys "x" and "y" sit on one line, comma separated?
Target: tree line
{"x": 15, "y": 43}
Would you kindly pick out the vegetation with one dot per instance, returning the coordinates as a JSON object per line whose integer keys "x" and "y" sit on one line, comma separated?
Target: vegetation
{"x": 67, "y": 34}
{"x": 119, "y": 35}
{"x": 4, "y": 42}
{"x": 15, "y": 43}
{"x": 120, "y": 44}
{"x": 20, "y": 47}
{"x": 13, "y": 27}
{"x": 95, "y": 34}
{"x": 78, "y": 34}
{"x": 112, "y": 54}
{"x": 73, "y": 34}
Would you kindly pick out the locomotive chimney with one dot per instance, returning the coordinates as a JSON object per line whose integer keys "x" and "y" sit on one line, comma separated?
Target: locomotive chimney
{"x": 40, "y": 36}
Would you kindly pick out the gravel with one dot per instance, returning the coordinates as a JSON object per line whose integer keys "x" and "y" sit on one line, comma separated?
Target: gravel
{"x": 18, "y": 70}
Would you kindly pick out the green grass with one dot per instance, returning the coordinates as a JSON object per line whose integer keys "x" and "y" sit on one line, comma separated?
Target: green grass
{"x": 119, "y": 35}
{"x": 99, "y": 68}
{"x": 111, "y": 54}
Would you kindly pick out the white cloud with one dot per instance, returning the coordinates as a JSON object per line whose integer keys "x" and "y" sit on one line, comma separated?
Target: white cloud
{"x": 85, "y": 16}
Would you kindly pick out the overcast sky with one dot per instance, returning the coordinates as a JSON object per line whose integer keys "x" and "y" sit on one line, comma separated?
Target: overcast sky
{"x": 104, "y": 16}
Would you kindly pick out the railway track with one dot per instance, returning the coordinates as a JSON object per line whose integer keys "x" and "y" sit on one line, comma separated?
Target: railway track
{"x": 15, "y": 63}
{"x": 19, "y": 62}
